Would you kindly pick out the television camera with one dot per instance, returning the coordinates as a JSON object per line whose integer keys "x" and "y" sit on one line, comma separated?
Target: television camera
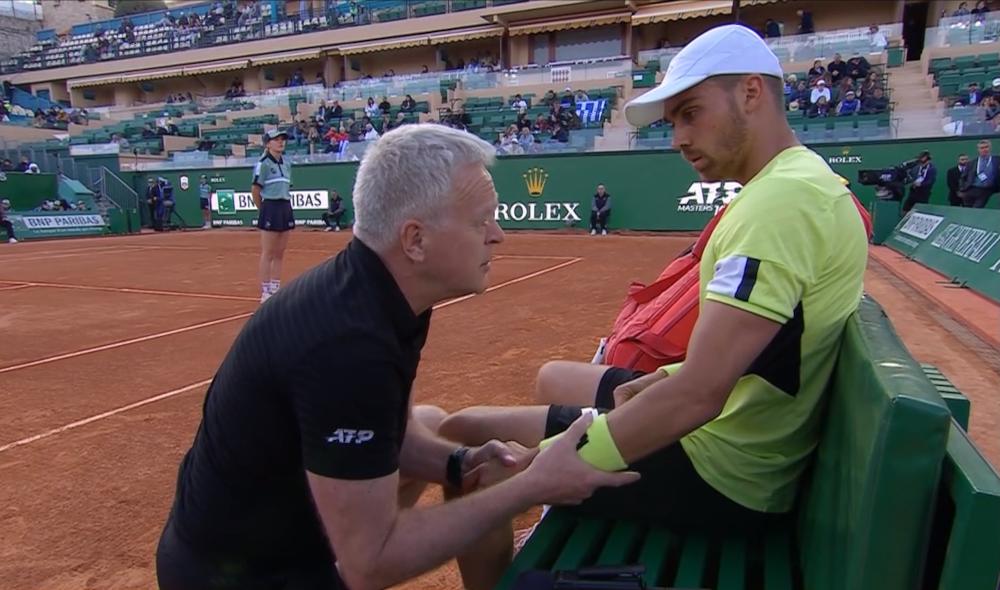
{"x": 889, "y": 182}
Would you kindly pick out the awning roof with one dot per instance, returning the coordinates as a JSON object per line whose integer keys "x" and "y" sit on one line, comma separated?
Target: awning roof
{"x": 580, "y": 22}
{"x": 286, "y": 57}
{"x": 465, "y": 35}
{"x": 217, "y": 67}
{"x": 684, "y": 9}
{"x": 384, "y": 44}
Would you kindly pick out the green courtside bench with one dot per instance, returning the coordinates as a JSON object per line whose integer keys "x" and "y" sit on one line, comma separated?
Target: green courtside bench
{"x": 897, "y": 498}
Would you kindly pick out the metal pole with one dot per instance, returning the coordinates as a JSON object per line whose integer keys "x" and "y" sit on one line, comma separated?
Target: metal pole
{"x": 736, "y": 11}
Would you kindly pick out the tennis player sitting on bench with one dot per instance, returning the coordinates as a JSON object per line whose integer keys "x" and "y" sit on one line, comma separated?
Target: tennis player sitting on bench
{"x": 721, "y": 439}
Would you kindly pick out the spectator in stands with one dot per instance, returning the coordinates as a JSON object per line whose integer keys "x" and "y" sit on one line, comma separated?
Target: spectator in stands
{"x": 817, "y": 71}
{"x": 954, "y": 178}
{"x": 320, "y": 79}
{"x": 806, "y": 26}
{"x": 846, "y": 85}
{"x": 867, "y": 87}
{"x": 990, "y": 107}
{"x": 850, "y": 105}
{"x": 25, "y": 164}
{"x": 858, "y": 67}
{"x": 580, "y": 96}
{"x": 771, "y": 29}
{"x": 385, "y": 107}
{"x": 962, "y": 10}
{"x": 874, "y": 103}
{"x": 982, "y": 178}
{"x": 568, "y": 100}
{"x": 600, "y": 211}
{"x": 878, "y": 40}
{"x": 820, "y": 91}
{"x": 820, "y": 108}
{"x": 837, "y": 69}
{"x": 335, "y": 212}
{"x": 371, "y": 109}
{"x": 336, "y": 112}
{"x": 119, "y": 140}
{"x": 981, "y": 8}
{"x": 337, "y": 139}
{"x": 924, "y": 175}
{"x": 550, "y": 99}
{"x": 560, "y": 133}
{"x": 800, "y": 95}
{"x": 370, "y": 133}
{"x": 518, "y": 104}
{"x": 298, "y": 79}
{"x": 408, "y": 105}
{"x": 525, "y": 138}
{"x": 972, "y": 96}
{"x": 7, "y": 166}
{"x": 541, "y": 124}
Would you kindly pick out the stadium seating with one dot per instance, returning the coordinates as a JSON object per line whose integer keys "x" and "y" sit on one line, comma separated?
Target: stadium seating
{"x": 890, "y": 454}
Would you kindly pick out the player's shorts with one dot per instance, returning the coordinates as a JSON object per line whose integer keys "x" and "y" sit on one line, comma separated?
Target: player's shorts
{"x": 670, "y": 490}
{"x": 275, "y": 215}
{"x": 204, "y": 203}
{"x": 180, "y": 567}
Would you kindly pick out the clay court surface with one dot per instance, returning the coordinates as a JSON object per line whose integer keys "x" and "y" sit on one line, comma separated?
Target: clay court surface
{"x": 107, "y": 346}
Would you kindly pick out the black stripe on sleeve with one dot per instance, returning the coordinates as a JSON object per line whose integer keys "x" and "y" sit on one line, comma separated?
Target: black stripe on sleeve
{"x": 749, "y": 279}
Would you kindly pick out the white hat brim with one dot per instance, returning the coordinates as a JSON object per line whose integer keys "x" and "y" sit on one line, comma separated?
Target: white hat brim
{"x": 648, "y": 108}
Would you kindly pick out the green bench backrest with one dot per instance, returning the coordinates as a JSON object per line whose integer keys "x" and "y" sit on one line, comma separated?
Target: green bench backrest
{"x": 863, "y": 523}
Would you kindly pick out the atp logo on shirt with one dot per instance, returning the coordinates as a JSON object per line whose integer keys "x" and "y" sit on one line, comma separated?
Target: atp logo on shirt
{"x": 345, "y": 436}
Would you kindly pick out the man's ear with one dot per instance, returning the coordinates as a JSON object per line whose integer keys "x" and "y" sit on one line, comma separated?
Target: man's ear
{"x": 412, "y": 236}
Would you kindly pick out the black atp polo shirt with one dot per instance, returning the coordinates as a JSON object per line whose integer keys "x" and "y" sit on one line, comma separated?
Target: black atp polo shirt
{"x": 319, "y": 379}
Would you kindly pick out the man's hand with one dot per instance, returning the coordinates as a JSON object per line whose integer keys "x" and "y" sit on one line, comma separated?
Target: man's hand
{"x": 514, "y": 459}
{"x": 627, "y": 391}
{"x": 559, "y": 476}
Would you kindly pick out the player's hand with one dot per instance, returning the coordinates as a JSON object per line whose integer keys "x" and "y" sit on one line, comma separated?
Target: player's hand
{"x": 627, "y": 391}
{"x": 494, "y": 462}
{"x": 559, "y": 476}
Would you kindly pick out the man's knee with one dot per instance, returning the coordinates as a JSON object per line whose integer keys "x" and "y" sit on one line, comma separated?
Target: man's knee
{"x": 429, "y": 416}
{"x": 549, "y": 381}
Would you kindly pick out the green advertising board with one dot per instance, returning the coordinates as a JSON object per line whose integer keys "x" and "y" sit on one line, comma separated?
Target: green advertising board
{"x": 45, "y": 224}
{"x": 651, "y": 190}
{"x": 962, "y": 244}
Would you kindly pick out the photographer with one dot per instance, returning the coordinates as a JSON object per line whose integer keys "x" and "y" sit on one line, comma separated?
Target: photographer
{"x": 925, "y": 175}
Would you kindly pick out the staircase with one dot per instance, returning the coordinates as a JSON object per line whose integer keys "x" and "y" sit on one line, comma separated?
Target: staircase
{"x": 917, "y": 108}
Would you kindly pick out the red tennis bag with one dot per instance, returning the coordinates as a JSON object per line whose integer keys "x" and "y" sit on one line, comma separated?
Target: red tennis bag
{"x": 656, "y": 321}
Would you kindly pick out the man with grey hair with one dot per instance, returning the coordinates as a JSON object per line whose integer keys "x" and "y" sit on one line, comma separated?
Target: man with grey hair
{"x": 310, "y": 455}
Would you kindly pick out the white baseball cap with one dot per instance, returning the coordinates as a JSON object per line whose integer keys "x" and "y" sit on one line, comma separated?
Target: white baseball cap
{"x": 729, "y": 49}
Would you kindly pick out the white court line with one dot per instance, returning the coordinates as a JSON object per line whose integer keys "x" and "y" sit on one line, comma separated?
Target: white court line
{"x": 108, "y": 414}
{"x": 532, "y": 257}
{"x": 13, "y": 287}
{"x": 121, "y": 343}
{"x": 186, "y": 388}
{"x": 141, "y": 291}
{"x": 52, "y": 254}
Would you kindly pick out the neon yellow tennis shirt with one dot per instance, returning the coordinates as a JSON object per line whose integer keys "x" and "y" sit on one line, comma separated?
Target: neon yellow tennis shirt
{"x": 791, "y": 248}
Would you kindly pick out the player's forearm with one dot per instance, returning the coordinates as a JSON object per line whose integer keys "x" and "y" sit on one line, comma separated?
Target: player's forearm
{"x": 255, "y": 193}
{"x": 664, "y": 413}
{"x": 422, "y": 539}
{"x": 424, "y": 455}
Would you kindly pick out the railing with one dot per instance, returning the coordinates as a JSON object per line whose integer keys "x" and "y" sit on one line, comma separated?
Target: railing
{"x": 805, "y": 48}
{"x": 31, "y": 10}
{"x": 970, "y": 29}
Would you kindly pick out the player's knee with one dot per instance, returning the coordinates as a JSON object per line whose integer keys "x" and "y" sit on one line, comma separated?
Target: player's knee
{"x": 548, "y": 381}
{"x": 463, "y": 426}
{"x": 429, "y": 416}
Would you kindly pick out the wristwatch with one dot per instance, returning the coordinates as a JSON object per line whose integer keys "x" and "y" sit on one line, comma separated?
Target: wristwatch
{"x": 453, "y": 470}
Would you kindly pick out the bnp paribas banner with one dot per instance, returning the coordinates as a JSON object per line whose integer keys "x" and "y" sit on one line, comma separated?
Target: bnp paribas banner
{"x": 51, "y": 225}
{"x": 962, "y": 244}
{"x": 236, "y": 208}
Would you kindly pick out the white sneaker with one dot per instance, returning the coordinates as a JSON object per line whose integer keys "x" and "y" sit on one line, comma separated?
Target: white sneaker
{"x": 604, "y": 232}
{"x": 328, "y": 229}
{"x": 12, "y": 241}
{"x": 337, "y": 229}
{"x": 593, "y": 232}
{"x": 206, "y": 226}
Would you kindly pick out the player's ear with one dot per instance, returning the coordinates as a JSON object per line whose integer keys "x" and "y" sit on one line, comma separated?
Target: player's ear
{"x": 413, "y": 237}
